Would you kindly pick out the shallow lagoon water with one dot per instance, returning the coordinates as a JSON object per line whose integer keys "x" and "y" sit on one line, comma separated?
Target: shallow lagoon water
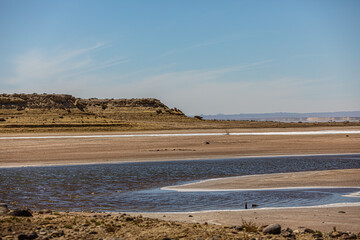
{"x": 136, "y": 186}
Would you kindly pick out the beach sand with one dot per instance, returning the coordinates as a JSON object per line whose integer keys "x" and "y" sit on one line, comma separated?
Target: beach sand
{"x": 344, "y": 218}
{"x": 328, "y": 178}
{"x": 67, "y": 151}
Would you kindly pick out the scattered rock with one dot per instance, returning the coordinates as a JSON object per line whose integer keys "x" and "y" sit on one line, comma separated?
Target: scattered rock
{"x": 317, "y": 234}
{"x": 129, "y": 219}
{"x": 288, "y": 232}
{"x": 238, "y": 228}
{"x": 30, "y": 236}
{"x": 3, "y": 209}
{"x": 20, "y": 213}
{"x": 216, "y": 237}
{"x": 57, "y": 234}
{"x": 309, "y": 230}
{"x": 351, "y": 236}
{"x": 45, "y": 211}
{"x": 190, "y": 215}
{"x": 335, "y": 234}
{"x": 341, "y": 212}
{"x": 272, "y": 229}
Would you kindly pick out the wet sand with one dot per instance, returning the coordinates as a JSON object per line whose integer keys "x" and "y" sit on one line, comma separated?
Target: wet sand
{"x": 67, "y": 151}
{"x": 345, "y": 217}
{"x": 328, "y": 178}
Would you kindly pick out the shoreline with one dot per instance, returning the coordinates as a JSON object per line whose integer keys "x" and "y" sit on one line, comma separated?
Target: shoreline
{"x": 344, "y": 217}
{"x": 287, "y": 133}
{"x": 339, "y": 178}
{"x": 258, "y": 189}
{"x": 90, "y": 148}
{"x": 331, "y": 205}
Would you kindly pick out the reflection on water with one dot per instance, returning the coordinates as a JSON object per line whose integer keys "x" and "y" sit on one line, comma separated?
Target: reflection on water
{"x": 136, "y": 186}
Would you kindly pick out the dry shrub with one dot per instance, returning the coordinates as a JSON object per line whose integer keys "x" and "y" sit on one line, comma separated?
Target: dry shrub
{"x": 249, "y": 226}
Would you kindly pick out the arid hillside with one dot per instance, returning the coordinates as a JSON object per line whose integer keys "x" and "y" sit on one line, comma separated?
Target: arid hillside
{"x": 61, "y": 112}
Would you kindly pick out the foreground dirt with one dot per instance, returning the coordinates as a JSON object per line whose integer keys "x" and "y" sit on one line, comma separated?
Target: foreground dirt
{"x": 29, "y": 152}
{"x": 328, "y": 178}
{"x": 55, "y": 225}
{"x": 319, "y": 218}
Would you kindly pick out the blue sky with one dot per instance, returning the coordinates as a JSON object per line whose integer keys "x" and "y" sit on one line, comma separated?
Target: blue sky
{"x": 204, "y": 57}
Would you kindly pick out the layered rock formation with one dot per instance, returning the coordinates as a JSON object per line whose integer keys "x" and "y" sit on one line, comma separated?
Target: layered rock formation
{"x": 69, "y": 102}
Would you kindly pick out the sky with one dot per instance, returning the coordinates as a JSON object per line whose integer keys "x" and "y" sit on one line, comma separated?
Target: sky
{"x": 201, "y": 56}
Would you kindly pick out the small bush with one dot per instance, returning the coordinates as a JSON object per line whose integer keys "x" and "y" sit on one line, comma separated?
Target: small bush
{"x": 69, "y": 226}
{"x": 249, "y": 226}
{"x": 110, "y": 228}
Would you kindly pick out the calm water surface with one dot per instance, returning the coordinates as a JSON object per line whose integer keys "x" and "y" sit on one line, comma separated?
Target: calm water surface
{"x": 136, "y": 186}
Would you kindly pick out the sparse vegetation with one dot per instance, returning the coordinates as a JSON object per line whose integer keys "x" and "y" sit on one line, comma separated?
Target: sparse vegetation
{"x": 69, "y": 226}
{"x": 249, "y": 226}
{"x": 60, "y": 113}
{"x": 119, "y": 225}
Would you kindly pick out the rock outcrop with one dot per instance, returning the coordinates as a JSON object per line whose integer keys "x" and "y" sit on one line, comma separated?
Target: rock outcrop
{"x": 69, "y": 102}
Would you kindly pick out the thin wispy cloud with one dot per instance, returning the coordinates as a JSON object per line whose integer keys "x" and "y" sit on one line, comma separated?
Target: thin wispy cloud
{"x": 193, "y": 77}
{"x": 39, "y": 65}
{"x": 201, "y": 45}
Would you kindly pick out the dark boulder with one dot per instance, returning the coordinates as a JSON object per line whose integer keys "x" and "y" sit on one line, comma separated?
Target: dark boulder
{"x": 30, "y": 236}
{"x": 272, "y": 229}
{"x": 20, "y": 213}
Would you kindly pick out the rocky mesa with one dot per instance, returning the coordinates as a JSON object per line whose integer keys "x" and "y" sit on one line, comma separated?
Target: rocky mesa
{"x": 63, "y": 110}
{"x": 69, "y": 102}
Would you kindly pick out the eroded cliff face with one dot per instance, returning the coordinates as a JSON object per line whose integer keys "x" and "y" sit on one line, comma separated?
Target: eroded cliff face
{"x": 36, "y": 101}
{"x": 93, "y": 105}
{"x": 62, "y": 112}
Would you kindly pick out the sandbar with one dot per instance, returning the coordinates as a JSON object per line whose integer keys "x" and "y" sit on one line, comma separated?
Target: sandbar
{"x": 101, "y": 149}
{"x": 345, "y": 217}
{"x": 311, "y": 179}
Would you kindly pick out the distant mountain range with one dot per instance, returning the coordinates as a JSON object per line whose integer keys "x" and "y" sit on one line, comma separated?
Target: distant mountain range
{"x": 290, "y": 117}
